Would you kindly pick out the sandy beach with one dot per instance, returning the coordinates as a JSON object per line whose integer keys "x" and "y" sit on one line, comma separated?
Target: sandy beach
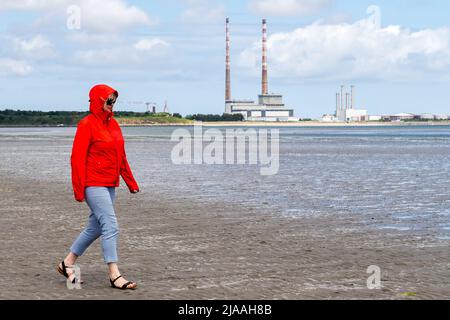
{"x": 205, "y": 232}
{"x": 338, "y": 190}
{"x": 214, "y": 251}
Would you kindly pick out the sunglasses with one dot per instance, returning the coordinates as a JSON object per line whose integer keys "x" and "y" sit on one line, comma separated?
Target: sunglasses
{"x": 110, "y": 102}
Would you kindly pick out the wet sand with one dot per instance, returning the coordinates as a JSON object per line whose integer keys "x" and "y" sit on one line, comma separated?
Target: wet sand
{"x": 209, "y": 250}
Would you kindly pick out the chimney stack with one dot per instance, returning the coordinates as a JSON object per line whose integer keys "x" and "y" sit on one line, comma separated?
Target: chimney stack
{"x": 342, "y": 97}
{"x": 347, "y": 101}
{"x": 265, "y": 89}
{"x": 352, "y": 97}
{"x": 338, "y": 106}
{"x": 227, "y": 63}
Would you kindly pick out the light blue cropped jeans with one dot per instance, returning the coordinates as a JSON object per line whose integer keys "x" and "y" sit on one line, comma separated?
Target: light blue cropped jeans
{"x": 102, "y": 222}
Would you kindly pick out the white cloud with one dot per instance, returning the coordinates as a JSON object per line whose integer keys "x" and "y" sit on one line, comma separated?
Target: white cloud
{"x": 355, "y": 51}
{"x": 150, "y": 44}
{"x": 111, "y": 15}
{"x": 96, "y": 15}
{"x": 288, "y": 7}
{"x": 200, "y": 11}
{"x": 14, "y": 67}
{"x": 145, "y": 51}
{"x": 37, "y": 48}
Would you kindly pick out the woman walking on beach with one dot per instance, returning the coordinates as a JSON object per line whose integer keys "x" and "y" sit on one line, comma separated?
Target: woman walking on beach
{"x": 98, "y": 159}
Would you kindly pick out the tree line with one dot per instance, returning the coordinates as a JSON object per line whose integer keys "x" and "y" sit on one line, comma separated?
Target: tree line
{"x": 10, "y": 117}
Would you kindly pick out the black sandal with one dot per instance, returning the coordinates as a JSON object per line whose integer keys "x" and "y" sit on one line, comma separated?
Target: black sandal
{"x": 63, "y": 271}
{"x": 124, "y": 287}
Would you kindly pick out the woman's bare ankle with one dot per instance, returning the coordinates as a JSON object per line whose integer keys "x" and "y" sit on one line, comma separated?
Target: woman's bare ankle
{"x": 70, "y": 259}
{"x": 113, "y": 270}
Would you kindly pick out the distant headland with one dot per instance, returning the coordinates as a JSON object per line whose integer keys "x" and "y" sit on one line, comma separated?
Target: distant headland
{"x": 20, "y": 118}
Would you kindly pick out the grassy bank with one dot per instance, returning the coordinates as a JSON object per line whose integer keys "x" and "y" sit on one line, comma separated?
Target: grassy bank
{"x": 14, "y": 118}
{"x": 149, "y": 120}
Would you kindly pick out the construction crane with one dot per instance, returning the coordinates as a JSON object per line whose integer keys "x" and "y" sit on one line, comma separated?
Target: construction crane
{"x": 153, "y": 105}
{"x": 150, "y": 107}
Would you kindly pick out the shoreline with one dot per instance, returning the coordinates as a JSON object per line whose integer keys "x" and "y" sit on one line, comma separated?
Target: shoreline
{"x": 325, "y": 124}
{"x": 317, "y": 124}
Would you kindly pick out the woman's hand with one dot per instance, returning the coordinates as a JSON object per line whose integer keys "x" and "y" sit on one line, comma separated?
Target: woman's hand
{"x": 134, "y": 191}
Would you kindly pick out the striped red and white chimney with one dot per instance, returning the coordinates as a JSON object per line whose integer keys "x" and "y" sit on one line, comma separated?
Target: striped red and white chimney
{"x": 227, "y": 63}
{"x": 265, "y": 86}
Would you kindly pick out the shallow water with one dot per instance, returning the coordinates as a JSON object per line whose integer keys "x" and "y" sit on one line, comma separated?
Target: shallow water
{"x": 389, "y": 178}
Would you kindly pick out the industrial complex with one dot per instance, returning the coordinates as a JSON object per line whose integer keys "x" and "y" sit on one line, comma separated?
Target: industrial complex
{"x": 346, "y": 110}
{"x": 270, "y": 107}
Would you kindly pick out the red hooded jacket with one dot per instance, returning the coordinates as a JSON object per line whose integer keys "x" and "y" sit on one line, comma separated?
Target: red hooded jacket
{"x": 98, "y": 152}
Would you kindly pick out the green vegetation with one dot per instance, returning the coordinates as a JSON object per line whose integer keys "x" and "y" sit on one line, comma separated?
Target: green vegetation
{"x": 40, "y": 118}
{"x": 135, "y": 118}
{"x": 408, "y": 294}
{"x": 71, "y": 118}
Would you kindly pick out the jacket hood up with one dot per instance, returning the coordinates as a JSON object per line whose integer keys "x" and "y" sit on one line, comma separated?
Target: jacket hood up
{"x": 97, "y": 97}
{"x": 98, "y": 153}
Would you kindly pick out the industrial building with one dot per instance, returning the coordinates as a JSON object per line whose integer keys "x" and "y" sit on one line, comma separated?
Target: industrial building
{"x": 375, "y": 118}
{"x": 346, "y": 112}
{"x": 441, "y": 117}
{"x": 345, "y": 107}
{"x": 427, "y": 116}
{"x": 410, "y": 117}
{"x": 270, "y": 107}
{"x": 399, "y": 117}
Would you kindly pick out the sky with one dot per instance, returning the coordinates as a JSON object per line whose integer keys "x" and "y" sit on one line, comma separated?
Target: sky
{"x": 396, "y": 53}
